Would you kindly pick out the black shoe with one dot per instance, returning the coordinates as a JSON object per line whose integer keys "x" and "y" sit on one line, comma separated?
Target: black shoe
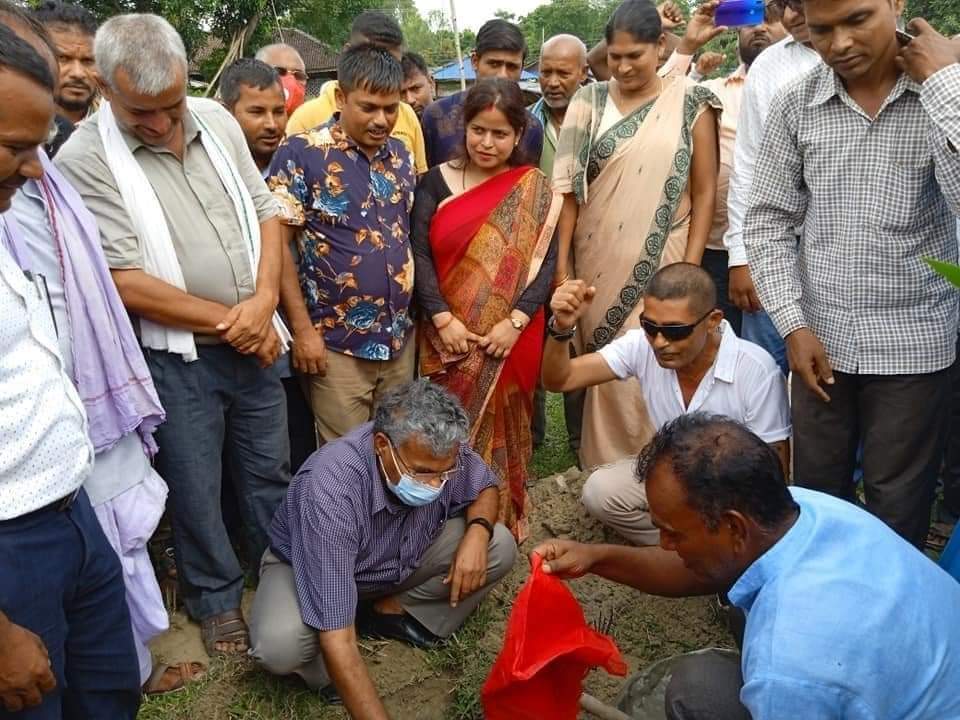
{"x": 330, "y": 695}
{"x": 397, "y": 627}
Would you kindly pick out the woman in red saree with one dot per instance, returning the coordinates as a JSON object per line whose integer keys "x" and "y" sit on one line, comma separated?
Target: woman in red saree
{"x": 483, "y": 239}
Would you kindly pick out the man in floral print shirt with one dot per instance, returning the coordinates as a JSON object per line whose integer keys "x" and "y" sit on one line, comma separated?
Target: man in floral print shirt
{"x": 346, "y": 191}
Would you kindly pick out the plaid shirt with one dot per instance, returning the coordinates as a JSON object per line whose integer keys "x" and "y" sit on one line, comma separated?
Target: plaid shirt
{"x": 346, "y": 534}
{"x": 874, "y": 197}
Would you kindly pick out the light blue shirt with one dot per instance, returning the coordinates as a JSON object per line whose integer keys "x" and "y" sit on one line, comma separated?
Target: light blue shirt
{"x": 846, "y": 620}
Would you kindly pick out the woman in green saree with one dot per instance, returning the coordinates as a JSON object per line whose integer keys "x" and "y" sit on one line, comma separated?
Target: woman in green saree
{"x": 637, "y": 163}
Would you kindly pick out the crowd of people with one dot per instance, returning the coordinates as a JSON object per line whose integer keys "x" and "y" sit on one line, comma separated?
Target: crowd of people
{"x": 315, "y": 334}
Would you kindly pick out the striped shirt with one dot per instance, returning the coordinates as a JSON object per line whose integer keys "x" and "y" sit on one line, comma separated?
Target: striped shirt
{"x": 346, "y": 534}
{"x": 874, "y": 197}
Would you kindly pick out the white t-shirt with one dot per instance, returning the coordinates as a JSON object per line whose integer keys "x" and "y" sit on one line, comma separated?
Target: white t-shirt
{"x": 743, "y": 384}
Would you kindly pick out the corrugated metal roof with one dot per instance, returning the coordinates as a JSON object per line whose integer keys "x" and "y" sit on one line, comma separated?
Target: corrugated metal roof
{"x": 451, "y": 72}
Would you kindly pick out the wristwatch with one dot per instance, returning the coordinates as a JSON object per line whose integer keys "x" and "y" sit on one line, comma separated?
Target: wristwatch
{"x": 560, "y": 335}
{"x": 484, "y": 522}
{"x": 517, "y": 324}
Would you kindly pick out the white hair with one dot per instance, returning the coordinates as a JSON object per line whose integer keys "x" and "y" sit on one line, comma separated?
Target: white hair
{"x": 148, "y": 49}
{"x": 565, "y": 40}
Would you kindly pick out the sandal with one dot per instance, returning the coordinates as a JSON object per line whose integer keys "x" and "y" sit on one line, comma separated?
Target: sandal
{"x": 227, "y": 627}
{"x": 166, "y": 679}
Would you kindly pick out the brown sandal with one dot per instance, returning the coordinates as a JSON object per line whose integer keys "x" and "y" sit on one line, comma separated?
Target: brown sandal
{"x": 166, "y": 679}
{"x": 227, "y": 627}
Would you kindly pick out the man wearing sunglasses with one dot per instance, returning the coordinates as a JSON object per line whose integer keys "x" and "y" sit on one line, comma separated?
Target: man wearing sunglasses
{"x": 390, "y": 531}
{"x": 292, "y": 71}
{"x": 687, "y": 359}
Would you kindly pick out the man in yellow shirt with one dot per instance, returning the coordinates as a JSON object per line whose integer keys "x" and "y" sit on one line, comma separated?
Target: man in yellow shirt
{"x": 381, "y": 30}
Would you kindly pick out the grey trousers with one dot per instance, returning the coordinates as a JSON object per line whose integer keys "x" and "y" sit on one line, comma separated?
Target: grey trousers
{"x": 283, "y": 645}
{"x": 614, "y": 496}
{"x": 706, "y": 687}
{"x": 901, "y": 422}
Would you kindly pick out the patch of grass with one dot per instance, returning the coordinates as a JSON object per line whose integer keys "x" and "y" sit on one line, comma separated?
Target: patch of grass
{"x": 554, "y": 456}
{"x": 233, "y": 689}
{"x": 468, "y": 662}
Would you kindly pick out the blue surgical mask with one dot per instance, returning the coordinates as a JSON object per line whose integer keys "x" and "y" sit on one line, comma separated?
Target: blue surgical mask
{"x": 409, "y": 491}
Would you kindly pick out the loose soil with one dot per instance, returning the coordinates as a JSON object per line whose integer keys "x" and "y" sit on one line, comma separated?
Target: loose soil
{"x": 415, "y": 688}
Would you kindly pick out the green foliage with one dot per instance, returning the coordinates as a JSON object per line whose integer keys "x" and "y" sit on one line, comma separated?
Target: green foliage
{"x": 948, "y": 270}
{"x": 944, "y": 15}
{"x": 431, "y": 36}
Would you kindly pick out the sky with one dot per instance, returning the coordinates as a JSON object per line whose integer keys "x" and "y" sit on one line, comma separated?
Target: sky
{"x": 473, "y": 13}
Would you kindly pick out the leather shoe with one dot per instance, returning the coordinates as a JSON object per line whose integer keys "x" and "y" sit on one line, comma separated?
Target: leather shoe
{"x": 397, "y": 627}
{"x": 330, "y": 696}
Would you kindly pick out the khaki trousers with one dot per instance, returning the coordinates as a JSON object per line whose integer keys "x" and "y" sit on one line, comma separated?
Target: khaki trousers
{"x": 614, "y": 496}
{"x": 346, "y": 396}
{"x": 283, "y": 645}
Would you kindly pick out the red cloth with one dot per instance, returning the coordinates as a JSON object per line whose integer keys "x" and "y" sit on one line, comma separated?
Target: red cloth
{"x": 547, "y": 652}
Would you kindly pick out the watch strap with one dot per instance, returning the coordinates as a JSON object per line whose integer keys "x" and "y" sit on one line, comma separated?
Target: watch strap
{"x": 484, "y": 522}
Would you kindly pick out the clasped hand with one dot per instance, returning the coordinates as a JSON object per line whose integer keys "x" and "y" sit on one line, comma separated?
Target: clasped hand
{"x": 457, "y": 339}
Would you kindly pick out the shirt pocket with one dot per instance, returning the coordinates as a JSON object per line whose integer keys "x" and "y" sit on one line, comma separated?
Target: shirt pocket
{"x": 906, "y": 189}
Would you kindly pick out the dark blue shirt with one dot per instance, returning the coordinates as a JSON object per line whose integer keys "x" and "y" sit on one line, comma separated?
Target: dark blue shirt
{"x": 443, "y": 131}
{"x": 354, "y": 257}
{"x": 346, "y": 534}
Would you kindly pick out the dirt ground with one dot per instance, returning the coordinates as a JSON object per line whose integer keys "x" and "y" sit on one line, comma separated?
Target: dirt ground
{"x": 432, "y": 686}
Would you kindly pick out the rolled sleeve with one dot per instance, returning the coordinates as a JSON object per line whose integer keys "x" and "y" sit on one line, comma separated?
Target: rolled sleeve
{"x": 82, "y": 162}
{"x": 474, "y": 477}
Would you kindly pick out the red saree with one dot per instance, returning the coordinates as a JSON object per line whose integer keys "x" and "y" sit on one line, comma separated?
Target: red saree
{"x": 488, "y": 245}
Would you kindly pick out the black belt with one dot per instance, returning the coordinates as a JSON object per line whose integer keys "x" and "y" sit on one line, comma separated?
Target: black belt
{"x": 63, "y": 504}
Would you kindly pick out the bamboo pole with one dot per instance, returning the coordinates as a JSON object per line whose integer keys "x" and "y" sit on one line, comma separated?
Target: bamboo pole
{"x": 456, "y": 39}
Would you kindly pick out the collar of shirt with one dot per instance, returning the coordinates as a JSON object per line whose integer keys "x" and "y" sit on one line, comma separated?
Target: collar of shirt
{"x": 769, "y": 565}
{"x": 725, "y": 365}
{"x": 191, "y": 131}
{"x": 345, "y": 142}
{"x": 830, "y": 85}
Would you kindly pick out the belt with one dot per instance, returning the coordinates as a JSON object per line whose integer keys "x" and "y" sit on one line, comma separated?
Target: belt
{"x": 63, "y": 504}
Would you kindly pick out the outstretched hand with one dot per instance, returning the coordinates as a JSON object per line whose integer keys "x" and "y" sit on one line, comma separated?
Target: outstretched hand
{"x": 565, "y": 558}
{"x": 701, "y": 29}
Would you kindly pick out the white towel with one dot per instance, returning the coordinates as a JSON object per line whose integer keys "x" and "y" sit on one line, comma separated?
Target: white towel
{"x": 159, "y": 256}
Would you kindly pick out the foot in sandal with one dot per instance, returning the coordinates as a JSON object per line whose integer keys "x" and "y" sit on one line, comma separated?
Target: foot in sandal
{"x": 225, "y": 634}
{"x": 171, "y": 678}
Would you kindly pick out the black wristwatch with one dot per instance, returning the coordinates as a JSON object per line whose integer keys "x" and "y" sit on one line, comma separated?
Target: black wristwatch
{"x": 484, "y": 522}
{"x": 558, "y": 334}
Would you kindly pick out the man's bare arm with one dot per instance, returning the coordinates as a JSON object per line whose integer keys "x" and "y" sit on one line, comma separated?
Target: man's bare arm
{"x": 349, "y": 674}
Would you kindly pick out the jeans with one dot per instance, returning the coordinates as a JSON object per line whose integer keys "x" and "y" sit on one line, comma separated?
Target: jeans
{"x": 222, "y": 405}
{"x": 60, "y": 579}
{"x": 758, "y": 328}
{"x": 715, "y": 262}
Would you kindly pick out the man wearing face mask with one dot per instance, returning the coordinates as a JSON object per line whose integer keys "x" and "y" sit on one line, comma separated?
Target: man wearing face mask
{"x": 291, "y": 69}
{"x": 686, "y": 358}
{"x": 390, "y": 531}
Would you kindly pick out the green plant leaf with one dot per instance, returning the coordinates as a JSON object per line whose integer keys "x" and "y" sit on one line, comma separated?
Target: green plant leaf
{"x": 948, "y": 270}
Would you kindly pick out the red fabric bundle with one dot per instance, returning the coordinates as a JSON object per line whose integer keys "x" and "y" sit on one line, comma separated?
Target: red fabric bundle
{"x": 547, "y": 652}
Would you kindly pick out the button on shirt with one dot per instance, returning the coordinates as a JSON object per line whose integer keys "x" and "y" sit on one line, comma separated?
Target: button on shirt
{"x": 346, "y": 534}
{"x": 846, "y": 620}
{"x": 45, "y": 453}
{"x": 744, "y": 383}
{"x": 355, "y": 261}
{"x": 775, "y": 68}
{"x": 874, "y": 197}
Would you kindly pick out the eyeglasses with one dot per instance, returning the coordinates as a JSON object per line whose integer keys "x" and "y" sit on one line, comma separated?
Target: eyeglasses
{"x": 299, "y": 75}
{"x": 671, "y": 333}
{"x": 424, "y": 478}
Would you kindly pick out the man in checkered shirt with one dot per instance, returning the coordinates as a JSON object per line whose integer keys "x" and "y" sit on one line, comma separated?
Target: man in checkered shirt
{"x": 862, "y": 153}
{"x": 389, "y": 531}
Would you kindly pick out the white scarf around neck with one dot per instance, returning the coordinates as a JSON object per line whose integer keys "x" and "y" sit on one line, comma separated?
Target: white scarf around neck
{"x": 146, "y": 214}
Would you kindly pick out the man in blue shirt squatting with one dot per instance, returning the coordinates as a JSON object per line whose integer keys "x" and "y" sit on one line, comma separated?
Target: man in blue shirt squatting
{"x": 844, "y": 617}
{"x": 390, "y": 531}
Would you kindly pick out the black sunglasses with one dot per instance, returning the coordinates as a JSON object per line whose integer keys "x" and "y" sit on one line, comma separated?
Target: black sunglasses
{"x": 671, "y": 333}
{"x": 298, "y": 74}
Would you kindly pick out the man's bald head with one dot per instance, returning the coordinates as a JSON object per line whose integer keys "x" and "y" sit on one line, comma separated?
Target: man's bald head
{"x": 284, "y": 58}
{"x": 564, "y": 46}
{"x": 684, "y": 281}
{"x": 563, "y": 69}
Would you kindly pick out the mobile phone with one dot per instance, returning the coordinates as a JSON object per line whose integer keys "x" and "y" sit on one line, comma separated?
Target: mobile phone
{"x": 739, "y": 13}
{"x": 903, "y": 37}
